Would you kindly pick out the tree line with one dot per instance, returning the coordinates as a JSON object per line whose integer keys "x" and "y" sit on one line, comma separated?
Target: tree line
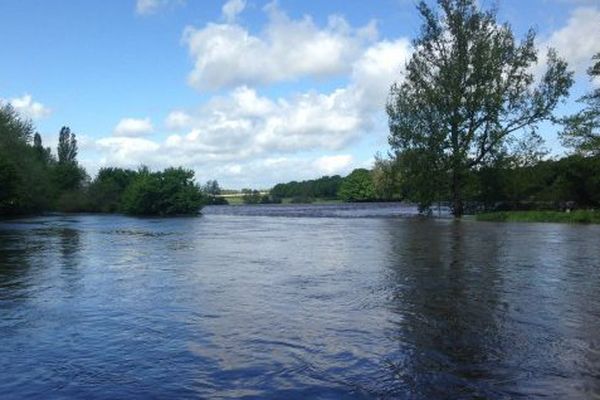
{"x": 34, "y": 180}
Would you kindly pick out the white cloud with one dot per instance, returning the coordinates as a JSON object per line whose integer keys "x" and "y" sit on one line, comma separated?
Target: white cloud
{"x": 243, "y": 135}
{"x": 26, "y": 106}
{"x": 247, "y": 138}
{"x": 232, "y": 8}
{"x": 263, "y": 173}
{"x": 127, "y": 151}
{"x": 178, "y": 120}
{"x": 228, "y": 55}
{"x": 331, "y": 165}
{"x": 133, "y": 127}
{"x": 243, "y": 124}
{"x": 147, "y": 7}
{"x": 579, "y": 39}
{"x": 379, "y": 66}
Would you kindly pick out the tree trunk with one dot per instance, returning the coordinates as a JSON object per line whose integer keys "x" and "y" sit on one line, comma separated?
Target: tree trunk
{"x": 457, "y": 201}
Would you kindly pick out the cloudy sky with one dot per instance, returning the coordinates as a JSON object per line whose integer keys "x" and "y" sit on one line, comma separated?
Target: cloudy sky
{"x": 249, "y": 92}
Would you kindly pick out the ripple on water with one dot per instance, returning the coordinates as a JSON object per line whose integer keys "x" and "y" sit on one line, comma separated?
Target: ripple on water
{"x": 327, "y": 302}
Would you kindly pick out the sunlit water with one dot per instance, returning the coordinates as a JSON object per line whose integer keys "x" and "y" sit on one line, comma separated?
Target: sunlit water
{"x": 298, "y": 303}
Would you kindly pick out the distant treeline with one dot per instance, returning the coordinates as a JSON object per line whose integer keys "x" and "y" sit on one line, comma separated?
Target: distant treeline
{"x": 33, "y": 180}
{"x": 326, "y": 187}
{"x": 511, "y": 183}
{"x": 566, "y": 183}
{"x": 359, "y": 185}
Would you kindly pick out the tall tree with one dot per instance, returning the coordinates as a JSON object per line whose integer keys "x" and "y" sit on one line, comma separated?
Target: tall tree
{"x": 582, "y": 130}
{"x": 43, "y": 154}
{"x": 68, "y": 174}
{"x": 67, "y": 146}
{"x": 469, "y": 87}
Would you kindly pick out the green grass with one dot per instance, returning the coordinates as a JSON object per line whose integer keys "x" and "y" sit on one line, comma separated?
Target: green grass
{"x": 234, "y": 201}
{"x": 578, "y": 216}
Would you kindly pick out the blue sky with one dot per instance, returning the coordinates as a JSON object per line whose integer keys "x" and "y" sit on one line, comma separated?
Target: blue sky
{"x": 248, "y": 92}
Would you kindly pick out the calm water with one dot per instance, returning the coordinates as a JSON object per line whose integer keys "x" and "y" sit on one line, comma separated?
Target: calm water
{"x": 305, "y": 303}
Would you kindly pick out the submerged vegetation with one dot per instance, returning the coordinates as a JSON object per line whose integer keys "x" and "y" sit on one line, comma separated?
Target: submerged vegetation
{"x": 577, "y": 216}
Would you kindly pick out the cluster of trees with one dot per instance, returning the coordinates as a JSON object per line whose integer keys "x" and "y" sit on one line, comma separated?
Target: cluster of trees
{"x": 360, "y": 185}
{"x": 143, "y": 192}
{"x": 572, "y": 181}
{"x": 469, "y": 102}
{"x": 326, "y": 187}
{"x": 253, "y": 196}
{"x": 33, "y": 180}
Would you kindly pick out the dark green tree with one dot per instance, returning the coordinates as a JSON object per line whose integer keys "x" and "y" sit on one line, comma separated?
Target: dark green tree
{"x": 67, "y": 146}
{"x": 582, "y": 130}
{"x": 69, "y": 176}
{"x": 43, "y": 153}
{"x": 170, "y": 192}
{"x": 106, "y": 190}
{"x": 468, "y": 88}
{"x": 24, "y": 181}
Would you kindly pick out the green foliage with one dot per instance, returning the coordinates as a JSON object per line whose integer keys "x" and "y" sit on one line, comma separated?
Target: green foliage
{"x": 582, "y": 130}
{"x": 266, "y": 199}
{"x": 24, "y": 174}
{"x": 73, "y": 201}
{"x": 358, "y": 186}
{"x": 212, "y": 188}
{"x": 212, "y": 192}
{"x": 67, "y": 146}
{"x": 106, "y": 190}
{"x": 250, "y": 196}
{"x": 9, "y": 181}
{"x": 468, "y": 88}
{"x": 386, "y": 179}
{"x": 68, "y": 175}
{"x": 170, "y": 192}
{"x": 577, "y": 216}
{"x": 326, "y": 187}
{"x": 547, "y": 184}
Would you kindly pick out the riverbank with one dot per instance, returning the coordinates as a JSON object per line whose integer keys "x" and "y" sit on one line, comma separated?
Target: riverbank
{"x": 573, "y": 217}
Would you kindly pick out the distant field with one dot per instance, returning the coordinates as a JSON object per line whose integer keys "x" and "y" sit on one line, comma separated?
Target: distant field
{"x": 578, "y": 216}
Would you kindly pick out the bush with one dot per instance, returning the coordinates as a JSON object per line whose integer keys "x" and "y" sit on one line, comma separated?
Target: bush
{"x": 171, "y": 192}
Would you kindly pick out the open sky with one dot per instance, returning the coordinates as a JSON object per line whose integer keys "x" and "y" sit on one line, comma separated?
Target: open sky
{"x": 248, "y": 92}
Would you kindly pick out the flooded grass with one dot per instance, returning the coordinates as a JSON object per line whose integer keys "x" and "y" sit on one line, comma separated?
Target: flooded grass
{"x": 573, "y": 217}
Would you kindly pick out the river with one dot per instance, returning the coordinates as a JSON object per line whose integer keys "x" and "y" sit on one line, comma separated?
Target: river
{"x": 298, "y": 302}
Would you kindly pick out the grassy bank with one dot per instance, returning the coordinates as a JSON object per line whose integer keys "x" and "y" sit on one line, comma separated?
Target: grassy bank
{"x": 578, "y": 216}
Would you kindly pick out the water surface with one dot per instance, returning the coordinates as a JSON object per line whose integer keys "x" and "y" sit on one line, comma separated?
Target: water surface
{"x": 322, "y": 302}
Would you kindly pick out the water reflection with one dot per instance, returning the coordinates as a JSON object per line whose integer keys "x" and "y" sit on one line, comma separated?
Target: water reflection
{"x": 482, "y": 313}
{"x": 258, "y": 306}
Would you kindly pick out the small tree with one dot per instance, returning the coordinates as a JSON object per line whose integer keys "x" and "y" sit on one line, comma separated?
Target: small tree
{"x": 468, "y": 88}
{"x": 582, "y": 130}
